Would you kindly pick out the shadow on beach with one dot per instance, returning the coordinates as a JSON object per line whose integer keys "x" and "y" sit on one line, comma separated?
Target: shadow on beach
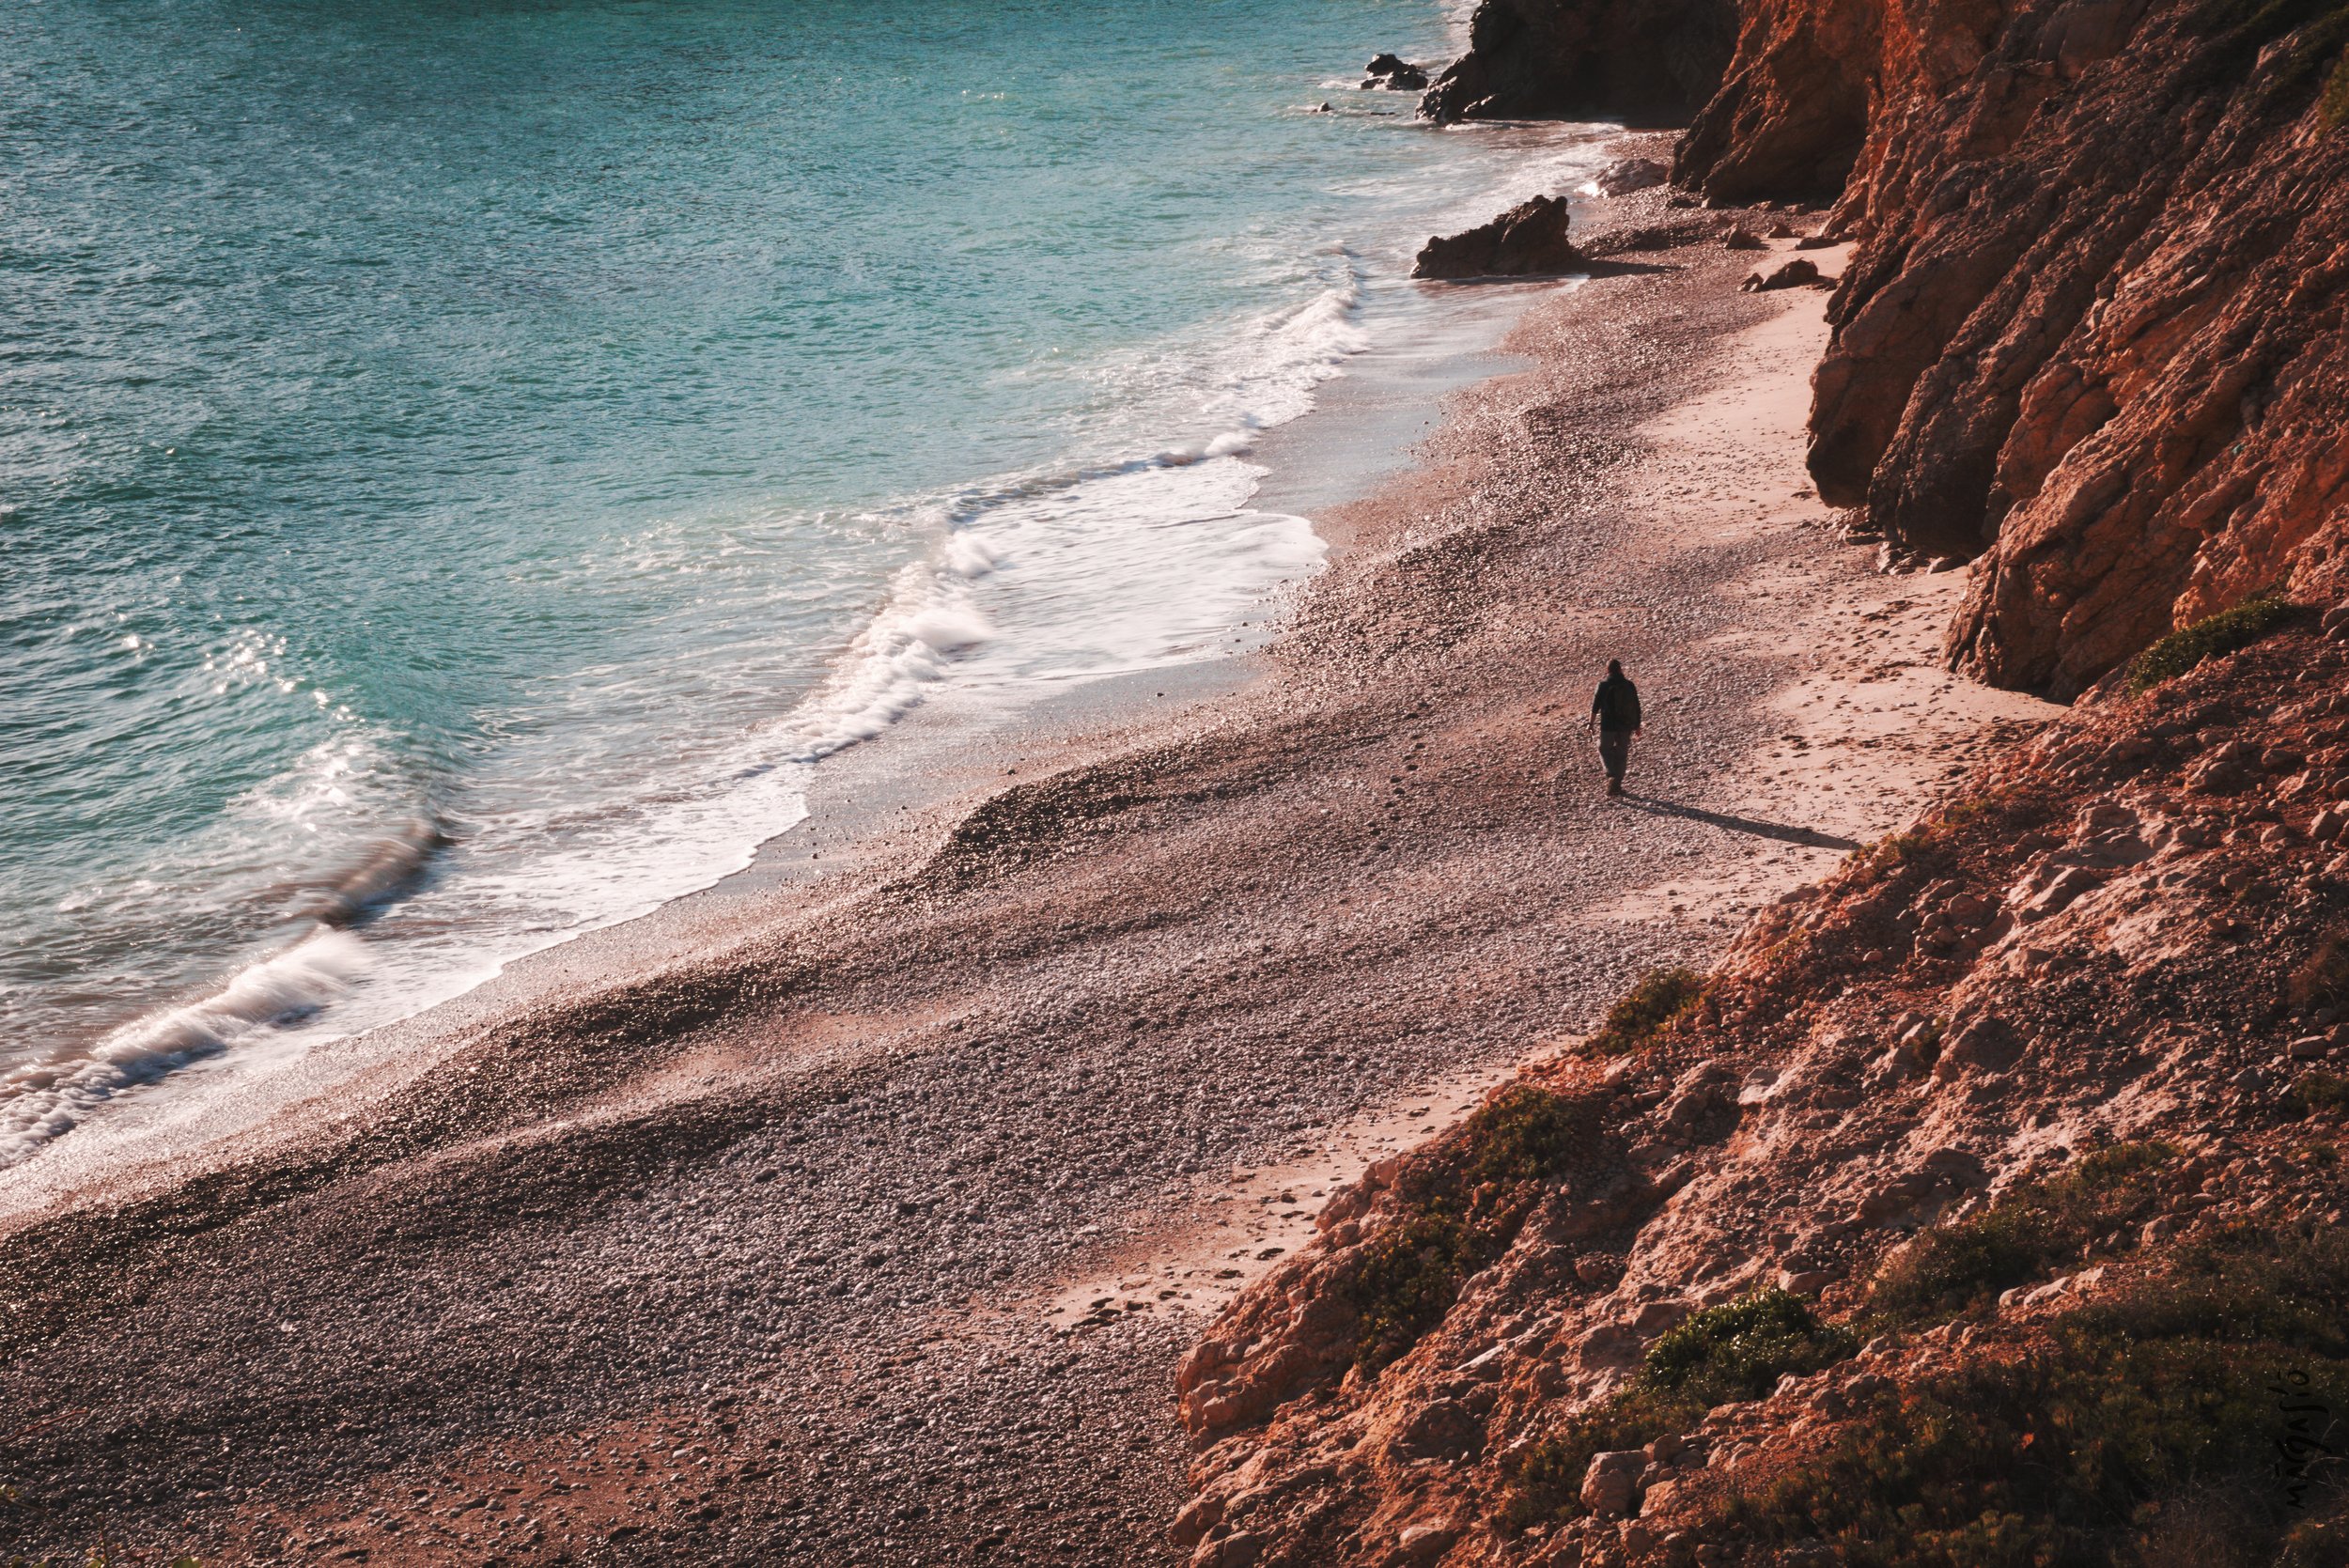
{"x": 1759, "y": 828}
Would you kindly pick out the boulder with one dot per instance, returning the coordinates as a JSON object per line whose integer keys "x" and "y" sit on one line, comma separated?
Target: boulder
{"x": 1239, "y": 1549}
{"x": 1612, "y": 1484}
{"x": 1743, "y": 238}
{"x": 1650, "y": 61}
{"x": 1528, "y": 241}
{"x": 1659, "y": 1317}
{"x": 1198, "y": 1516}
{"x": 1795, "y": 274}
{"x": 1427, "y": 1542}
{"x": 1627, "y": 175}
{"x": 1443, "y": 1430}
{"x": 1987, "y": 1045}
{"x": 1394, "y": 74}
{"x": 1610, "y": 1345}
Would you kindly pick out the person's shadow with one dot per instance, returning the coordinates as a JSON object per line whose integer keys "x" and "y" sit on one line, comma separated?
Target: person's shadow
{"x": 1810, "y": 837}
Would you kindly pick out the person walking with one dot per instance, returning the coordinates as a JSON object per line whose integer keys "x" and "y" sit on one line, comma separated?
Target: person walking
{"x": 1615, "y": 713}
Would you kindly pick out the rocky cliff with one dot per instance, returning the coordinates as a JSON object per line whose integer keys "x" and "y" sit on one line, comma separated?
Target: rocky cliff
{"x": 1983, "y": 1208}
{"x": 2096, "y": 337}
{"x": 1986, "y": 1205}
{"x": 1651, "y": 62}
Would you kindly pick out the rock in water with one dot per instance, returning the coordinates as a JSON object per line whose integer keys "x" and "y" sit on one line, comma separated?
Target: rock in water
{"x": 1395, "y": 74}
{"x": 1528, "y": 241}
{"x": 1627, "y": 175}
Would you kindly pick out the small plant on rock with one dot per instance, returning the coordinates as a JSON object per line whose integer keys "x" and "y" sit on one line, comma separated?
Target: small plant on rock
{"x": 1950, "y": 1267}
{"x": 2208, "y": 638}
{"x": 1660, "y": 1000}
{"x": 2323, "y": 979}
{"x": 1723, "y": 1354}
{"x": 1741, "y": 1349}
{"x": 1462, "y": 1206}
{"x": 2316, "y": 1092}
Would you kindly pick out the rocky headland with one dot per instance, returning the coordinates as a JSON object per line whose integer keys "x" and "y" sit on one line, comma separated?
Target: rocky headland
{"x": 2093, "y": 334}
{"x": 1982, "y": 1203}
{"x": 1984, "y": 1193}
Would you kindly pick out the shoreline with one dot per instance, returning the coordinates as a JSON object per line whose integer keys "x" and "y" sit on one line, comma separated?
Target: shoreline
{"x": 863, "y": 804}
{"x": 801, "y": 1207}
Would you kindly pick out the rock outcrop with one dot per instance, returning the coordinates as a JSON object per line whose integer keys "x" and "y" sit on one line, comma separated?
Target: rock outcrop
{"x": 1394, "y": 73}
{"x": 1528, "y": 241}
{"x": 2096, "y": 331}
{"x": 1966, "y": 1150}
{"x": 1642, "y": 61}
{"x": 2096, "y": 337}
{"x": 1627, "y": 175}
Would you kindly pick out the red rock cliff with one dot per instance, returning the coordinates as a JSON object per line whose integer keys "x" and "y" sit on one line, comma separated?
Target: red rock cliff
{"x": 2094, "y": 331}
{"x": 2093, "y": 338}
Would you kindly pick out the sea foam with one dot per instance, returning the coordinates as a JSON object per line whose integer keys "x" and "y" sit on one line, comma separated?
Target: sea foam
{"x": 40, "y": 1099}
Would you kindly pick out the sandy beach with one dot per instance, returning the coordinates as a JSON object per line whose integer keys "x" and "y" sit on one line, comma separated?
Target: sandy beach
{"x": 858, "y": 1214}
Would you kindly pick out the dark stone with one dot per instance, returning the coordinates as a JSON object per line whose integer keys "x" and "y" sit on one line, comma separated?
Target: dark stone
{"x": 1395, "y": 74}
{"x": 1795, "y": 274}
{"x": 1528, "y": 241}
{"x": 1647, "y": 62}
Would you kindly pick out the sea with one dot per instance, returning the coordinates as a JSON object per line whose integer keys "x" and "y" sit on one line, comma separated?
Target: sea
{"x": 464, "y": 466}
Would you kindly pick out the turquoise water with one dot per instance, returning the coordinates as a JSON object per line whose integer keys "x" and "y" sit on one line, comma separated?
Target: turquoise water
{"x": 464, "y": 464}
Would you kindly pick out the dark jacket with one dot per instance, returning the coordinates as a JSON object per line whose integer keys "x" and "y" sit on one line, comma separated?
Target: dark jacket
{"x": 1617, "y": 704}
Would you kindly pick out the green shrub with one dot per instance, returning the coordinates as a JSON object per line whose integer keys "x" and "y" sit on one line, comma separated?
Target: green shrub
{"x": 1409, "y": 1276}
{"x": 1950, "y": 1267}
{"x": 1661, "y": 998}
{"x": 1462, "y": 1205}
{"x": 2325, "y": 977}
{"x": 1544, "y": 1482}
{"x": 2208, "y": 638}
{"x": 2332, "y": 110}
{"x": 2313, "y": 1091}
{"x": 1734, "y": 1352}
{"x": 2106, "y": 1443}
{"x": 1741, "y": 1349}
{"x": 1524, "y": 1134}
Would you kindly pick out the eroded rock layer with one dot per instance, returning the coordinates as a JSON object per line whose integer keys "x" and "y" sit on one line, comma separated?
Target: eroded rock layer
{"x": 2097, "y": 333}
{"x": 1984, "y": 1206}
{"x": 2094, "y": 331}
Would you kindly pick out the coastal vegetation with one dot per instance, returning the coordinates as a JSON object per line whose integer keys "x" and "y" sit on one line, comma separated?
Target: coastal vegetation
{"x": 2213, "y": 635}
{"x": 1660, "y": 998}
{"x": 1735, "y": 1351}
{"x": 1461, "y": 1208}
{"x": 1950, "y": 1269}
{"x": 2174, "y": 1420}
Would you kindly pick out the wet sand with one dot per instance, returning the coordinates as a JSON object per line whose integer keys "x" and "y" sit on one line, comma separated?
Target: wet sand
{"x": 860, "y": 1218}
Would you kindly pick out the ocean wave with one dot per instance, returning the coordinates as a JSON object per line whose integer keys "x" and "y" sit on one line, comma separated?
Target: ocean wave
{"x": 1030, "y": 579}
{"x": 42, "y": 1099}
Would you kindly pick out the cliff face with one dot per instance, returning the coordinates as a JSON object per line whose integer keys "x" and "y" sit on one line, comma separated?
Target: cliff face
{"x": 2097, "y": 333}
{"x": 1972, "y": 1213}
{"x": 2094, "y": 331}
